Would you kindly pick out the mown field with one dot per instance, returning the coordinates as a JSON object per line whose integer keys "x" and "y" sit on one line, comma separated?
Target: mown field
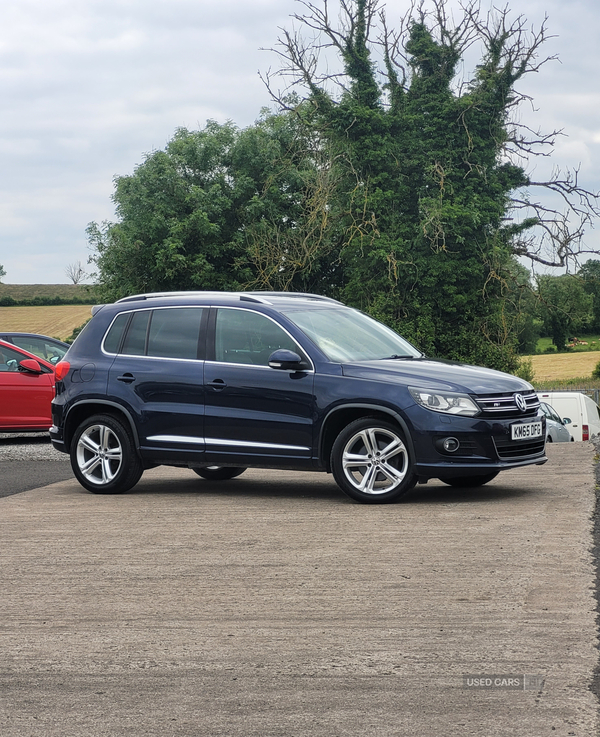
{"x": 57, "y": 321}
{"x": 564, "y": 365}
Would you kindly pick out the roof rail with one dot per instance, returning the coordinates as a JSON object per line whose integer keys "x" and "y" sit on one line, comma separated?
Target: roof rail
{"x": 257, "y": 296}
{"x": 296, "y": 295}
{"x": 186, "y": 293}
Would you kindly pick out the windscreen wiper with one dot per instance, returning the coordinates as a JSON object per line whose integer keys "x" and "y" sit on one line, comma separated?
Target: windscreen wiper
{"x": 397, "y": 357}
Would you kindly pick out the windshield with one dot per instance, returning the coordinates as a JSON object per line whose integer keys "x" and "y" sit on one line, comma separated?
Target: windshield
{"x": 349, "y": 335}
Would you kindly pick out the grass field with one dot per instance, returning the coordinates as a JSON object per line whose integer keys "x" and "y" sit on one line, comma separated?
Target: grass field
{"x": 556, "y": 366}
{"x": 57, "y": 321}
{"x": 29, "y": 291}
{"x": 592, "y": 343}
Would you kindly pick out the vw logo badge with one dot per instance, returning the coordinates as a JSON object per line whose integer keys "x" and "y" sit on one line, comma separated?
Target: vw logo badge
{"x": 520, "y": 402}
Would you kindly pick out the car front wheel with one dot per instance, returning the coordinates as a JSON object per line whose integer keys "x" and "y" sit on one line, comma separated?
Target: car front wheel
{"x": 371, "y": 463}
{"x": 103, "y": 456}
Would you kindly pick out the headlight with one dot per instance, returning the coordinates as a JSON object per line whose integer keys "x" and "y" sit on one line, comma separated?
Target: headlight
{"x": 446, "y": 402}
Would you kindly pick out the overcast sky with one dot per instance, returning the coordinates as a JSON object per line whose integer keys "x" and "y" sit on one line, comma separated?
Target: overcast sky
{"x": 90, "y": 86}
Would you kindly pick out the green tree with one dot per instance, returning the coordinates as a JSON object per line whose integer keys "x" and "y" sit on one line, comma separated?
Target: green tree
{"x": 220, "y": 208}
{"x": 590, "y": 273}
{"x": 178, "y": 223}
{"x": 437, "y": 204}
{"x": 565, "y": 307}
{"x": 2, "y": 272}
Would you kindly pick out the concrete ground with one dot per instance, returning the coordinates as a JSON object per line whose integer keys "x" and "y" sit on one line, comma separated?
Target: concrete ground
{"x": 271, "y": 605}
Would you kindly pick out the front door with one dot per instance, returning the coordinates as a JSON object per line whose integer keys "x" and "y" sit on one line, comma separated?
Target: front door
{"x": 255, "y": 413}
{"x": 24, "y": 396}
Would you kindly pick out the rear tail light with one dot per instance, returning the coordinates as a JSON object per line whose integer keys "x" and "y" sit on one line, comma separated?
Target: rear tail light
{"x": 61, "y": 370}
{"x": 585, "y": 432}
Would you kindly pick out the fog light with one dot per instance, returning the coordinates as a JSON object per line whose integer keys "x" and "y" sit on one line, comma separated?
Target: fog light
{"x": 451, "y": 445}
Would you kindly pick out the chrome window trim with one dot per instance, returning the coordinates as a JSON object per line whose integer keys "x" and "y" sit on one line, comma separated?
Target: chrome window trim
{"x": 258, "y": 366}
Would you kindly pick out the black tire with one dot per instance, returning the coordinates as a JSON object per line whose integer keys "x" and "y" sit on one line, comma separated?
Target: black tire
{"x": 371, "y": 462}
{"x": 548, "y": 439}
{"x": 218, "y": 473}
{"x": 103, "y": 456}
{"x": 471, "y": 481}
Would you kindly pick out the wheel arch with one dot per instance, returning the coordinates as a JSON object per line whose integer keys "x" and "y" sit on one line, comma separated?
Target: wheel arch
{"x": 341, "y": 416}
{"x": 88, "y": 407}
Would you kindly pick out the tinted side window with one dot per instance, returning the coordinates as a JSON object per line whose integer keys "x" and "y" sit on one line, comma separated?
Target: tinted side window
{"x": 243, "y": 336}
{"x": 113, "y": 338}
{"x": 135, "y": 341}
{"x": 174, "y": 333}
{"x": 164, "y": 333}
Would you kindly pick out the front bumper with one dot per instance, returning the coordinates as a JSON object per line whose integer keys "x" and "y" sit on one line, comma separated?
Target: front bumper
{"x": 484, "y": 446}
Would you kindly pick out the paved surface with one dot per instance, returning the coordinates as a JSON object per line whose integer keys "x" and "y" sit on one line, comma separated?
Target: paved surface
{"x": 272, "y": 606}
{"x": 17, "y": 471}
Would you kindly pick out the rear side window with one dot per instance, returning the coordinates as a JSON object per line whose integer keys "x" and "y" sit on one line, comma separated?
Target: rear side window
{"x": 175, "y": 333}
{"x": 115, "y": 334}
{"x": 164, "y": 333}
{"x": 135, "y": 340}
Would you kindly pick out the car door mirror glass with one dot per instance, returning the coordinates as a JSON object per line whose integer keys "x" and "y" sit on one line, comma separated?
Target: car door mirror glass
{"x": 567, "y": 421}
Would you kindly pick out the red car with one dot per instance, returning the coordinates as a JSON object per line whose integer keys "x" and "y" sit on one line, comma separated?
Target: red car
{"x": 26, "y": 390}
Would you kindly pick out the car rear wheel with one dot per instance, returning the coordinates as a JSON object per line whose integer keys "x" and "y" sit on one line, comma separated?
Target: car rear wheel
{"x": 471, "y": 481}
{"x": 218, "y": 473}
{"x": 371, "y": 463}
{"x": 103, "y": 456}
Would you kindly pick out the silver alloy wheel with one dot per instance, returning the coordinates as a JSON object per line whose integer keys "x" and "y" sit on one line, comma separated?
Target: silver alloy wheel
{"x": 375, "y": 461}
{"x": 99, "y": 454}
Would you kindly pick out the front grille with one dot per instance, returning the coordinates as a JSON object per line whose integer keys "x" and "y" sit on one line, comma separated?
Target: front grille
{"x": 504, "y": 406}
{"x": 510, "y": 449}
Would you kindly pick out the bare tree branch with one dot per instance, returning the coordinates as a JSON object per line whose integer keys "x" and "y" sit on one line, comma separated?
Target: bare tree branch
{"x": 75, "y": 272}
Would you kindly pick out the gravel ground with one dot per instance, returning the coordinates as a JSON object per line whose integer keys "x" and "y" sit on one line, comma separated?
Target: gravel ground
{"x": 28, "y": 447}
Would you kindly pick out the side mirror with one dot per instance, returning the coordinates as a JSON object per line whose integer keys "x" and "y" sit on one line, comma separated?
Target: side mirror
{"x": 566, "y": 420}
{"x": 28, "y": 365}
{"x": 286, "y": 360}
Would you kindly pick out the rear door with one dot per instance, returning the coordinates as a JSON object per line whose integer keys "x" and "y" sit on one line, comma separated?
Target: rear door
{"x": 255, "y": 413}
{"x": 158, "y": 376}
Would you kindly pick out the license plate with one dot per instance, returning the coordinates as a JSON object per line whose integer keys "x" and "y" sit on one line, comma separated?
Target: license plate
{"x": 525, "y": 430}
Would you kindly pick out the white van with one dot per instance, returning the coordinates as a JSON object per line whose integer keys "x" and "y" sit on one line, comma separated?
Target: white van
{"x": 581, "y": 411}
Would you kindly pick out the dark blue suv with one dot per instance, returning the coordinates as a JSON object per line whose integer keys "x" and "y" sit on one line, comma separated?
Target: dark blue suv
{"x": 219, "y": 382}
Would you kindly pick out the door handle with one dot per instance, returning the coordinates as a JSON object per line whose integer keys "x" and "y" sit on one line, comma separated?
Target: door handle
{"x": 217, "y": 384}
{"x": 126, "y": 378}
